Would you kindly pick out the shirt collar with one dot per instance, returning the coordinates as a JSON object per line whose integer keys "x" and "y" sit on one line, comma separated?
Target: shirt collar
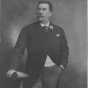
{"x": 43, "y": 25}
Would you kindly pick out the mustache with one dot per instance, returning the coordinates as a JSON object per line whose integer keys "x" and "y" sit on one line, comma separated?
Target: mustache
{"x": 39, "y": 14}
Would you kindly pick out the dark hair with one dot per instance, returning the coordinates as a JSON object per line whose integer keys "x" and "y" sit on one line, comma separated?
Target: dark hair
{"x": 46, "y": 2}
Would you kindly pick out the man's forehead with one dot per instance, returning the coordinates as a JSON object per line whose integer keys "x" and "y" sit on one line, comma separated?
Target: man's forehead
{"x": 43, "y": 5}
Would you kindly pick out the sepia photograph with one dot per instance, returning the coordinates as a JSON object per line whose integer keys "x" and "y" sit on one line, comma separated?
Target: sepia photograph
{"x": 43, "y": 44}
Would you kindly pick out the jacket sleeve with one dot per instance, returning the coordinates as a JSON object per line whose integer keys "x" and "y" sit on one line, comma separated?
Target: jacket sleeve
{"x": 19, "y": 49}
{"x": 64, "y": 50}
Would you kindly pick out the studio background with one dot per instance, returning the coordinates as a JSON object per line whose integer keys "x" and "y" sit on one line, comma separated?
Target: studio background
{"x": 69, "y": 14}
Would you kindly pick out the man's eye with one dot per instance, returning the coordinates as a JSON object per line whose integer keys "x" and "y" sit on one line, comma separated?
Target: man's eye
{"x": 44, "y": 8}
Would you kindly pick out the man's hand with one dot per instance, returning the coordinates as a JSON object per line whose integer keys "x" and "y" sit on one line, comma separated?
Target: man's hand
{"x": 16, "y": 74}
{"x": 10, "y": 73}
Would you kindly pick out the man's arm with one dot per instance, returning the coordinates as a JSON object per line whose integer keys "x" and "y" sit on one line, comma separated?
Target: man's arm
{"x": 18, "y": 57}
{"x": 64, "y": 51}
{"x": 19, "y": 50}
{"x": 61, "y": 51}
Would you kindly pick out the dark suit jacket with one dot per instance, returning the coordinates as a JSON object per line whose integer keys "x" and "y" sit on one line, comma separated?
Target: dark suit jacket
{"x": 39, "y": 44}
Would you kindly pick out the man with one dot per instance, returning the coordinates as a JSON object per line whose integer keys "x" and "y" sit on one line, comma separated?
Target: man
{"x": 47, "y": 49}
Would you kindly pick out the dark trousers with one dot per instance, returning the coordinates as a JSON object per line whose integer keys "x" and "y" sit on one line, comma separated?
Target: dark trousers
{"x": 48, "y": 78}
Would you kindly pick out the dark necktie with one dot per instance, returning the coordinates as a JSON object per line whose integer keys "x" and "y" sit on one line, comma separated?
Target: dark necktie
{"x": 45, "y": 29}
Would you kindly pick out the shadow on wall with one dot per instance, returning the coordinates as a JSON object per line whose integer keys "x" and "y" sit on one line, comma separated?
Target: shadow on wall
{"x": 72, "y": 79}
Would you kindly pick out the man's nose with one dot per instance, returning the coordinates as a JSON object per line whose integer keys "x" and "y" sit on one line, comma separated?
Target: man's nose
{"x": 41, "y": 11}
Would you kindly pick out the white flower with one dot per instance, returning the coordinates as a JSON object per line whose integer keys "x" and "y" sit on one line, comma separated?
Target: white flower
{"x": 57, "y": 35}
{"x": 51, "y": 27}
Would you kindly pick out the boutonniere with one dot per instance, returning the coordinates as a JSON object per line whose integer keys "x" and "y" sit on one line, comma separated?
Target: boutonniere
{"x": 51, "y": 27}
{"x": 57, "y": 35}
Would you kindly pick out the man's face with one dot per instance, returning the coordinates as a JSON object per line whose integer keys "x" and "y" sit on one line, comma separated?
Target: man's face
{"x": 43, "y": 12}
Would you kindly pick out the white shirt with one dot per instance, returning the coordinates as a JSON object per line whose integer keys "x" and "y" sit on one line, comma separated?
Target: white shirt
{"x": 49, "y": 62}
{"x": 47, "y": 25}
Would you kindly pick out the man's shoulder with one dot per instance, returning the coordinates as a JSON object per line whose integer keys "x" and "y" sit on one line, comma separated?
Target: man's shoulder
{"x": 31, "y": 25}
{"x": 34, "y": 23}
{"x": 28, "y": 27}
{"x": 58, "y": 28}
